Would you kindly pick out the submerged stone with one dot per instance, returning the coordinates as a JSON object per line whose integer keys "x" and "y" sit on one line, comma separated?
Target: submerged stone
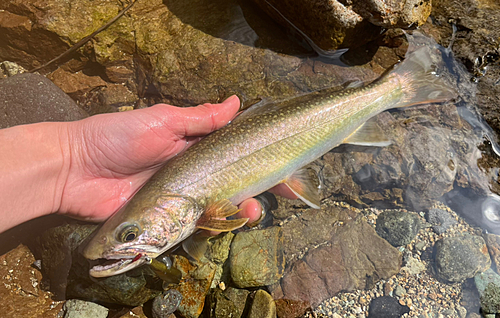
{"x": 166, "y": 304}
{"x": 488, "y": 286}
{"x": 461, "y": 257}
{"x": 256, "y": 257}
{"x": 441, "y": 220}
{"x": 263, "y": 306}
{"x": 75, "y": 308}
{"x": 397, "y": 227}
{"x": 386, "y": 307}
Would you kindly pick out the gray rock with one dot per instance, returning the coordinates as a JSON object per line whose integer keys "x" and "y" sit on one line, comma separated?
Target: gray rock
{"x": 399, "y": 291}
{"x": 263, "y": 306}
{"x": 397, "y": 227}
{"x": 441, "y": 220}
{"x": 386, "y": 307}
{"x": 256, "y": 257}
{"x": 166, "y": 304}
{"x": 488, "y": 286}
{"x": 29, "y": 98}
{"x": 75, "y": 308}
{"x": 230, "y": 303}
{"x": 461, "y": 257}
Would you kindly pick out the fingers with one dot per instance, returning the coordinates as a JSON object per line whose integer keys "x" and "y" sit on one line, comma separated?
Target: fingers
{"x": 284, "y": 191}
{"x": 200, "y": 120}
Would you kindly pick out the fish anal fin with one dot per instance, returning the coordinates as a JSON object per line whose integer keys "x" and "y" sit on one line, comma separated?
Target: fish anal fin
{"x": 368, "y": 134}
{"x": 303, "y": 186}
{"x": 196, "y": 245}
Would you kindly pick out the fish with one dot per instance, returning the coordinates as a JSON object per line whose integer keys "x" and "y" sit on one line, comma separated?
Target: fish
{"x": 264, "y": 146}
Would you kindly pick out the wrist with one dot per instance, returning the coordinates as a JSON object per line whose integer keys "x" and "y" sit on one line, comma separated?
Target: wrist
{"x": 35, "y": 164}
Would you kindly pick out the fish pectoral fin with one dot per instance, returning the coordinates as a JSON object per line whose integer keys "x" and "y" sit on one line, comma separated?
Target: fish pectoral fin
{"x": 196, "y": 245}
{"x": 220, "y": 209}
{"x": 221, "y": 225}
{"x": 368, "y": 134}
{"x": 305, "y": 187}
{"x": 213, "y": 217}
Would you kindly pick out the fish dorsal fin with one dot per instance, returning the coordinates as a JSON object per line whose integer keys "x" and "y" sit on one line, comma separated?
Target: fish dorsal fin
{"x": 301, "y": 183}
{"x": 368, "y": 134}
{"x": 215, "y": 212}
{"x": 196, "y": 245}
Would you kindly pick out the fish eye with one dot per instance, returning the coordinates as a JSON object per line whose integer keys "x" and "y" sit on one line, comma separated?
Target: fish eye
{"x": 128, "y": 233}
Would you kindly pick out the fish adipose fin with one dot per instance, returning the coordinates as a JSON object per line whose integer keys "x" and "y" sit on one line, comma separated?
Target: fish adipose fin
{"x": 419, "y": 80}
{"x": 212, "y": 219}
{"x": 368, "y": 134}
{"x": 303, "y": 186}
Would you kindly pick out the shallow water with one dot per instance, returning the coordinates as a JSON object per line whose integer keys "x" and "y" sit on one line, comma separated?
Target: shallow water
{"x": 442, "y": 157}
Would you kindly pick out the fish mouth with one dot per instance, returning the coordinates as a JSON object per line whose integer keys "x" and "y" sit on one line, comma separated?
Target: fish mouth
{"x": 109, "y": 267}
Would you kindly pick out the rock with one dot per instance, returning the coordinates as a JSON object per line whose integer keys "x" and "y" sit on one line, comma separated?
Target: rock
{"x": 20, "y": 292}
{"x": 397, "y": 227}
{"x": 76, "y": 85}
{"x": 256, "y": 257}
{"x": 75, "y": 308}
{"x": 413, "y": 266}
{"x": 461, "y": 257}
{"x": 229, "y": 303}
{"x": 166, "y": 304}
{"x": 399, "y": 291}
{"x": 441, "y": 220}
{"x": 8, "y": 69}
{"x": 194, "y": 286}
{"x": 488, "y": 285}
{"x": 222, "y": 307}
{"x": 333, "y": 24}
{"x": 218, "y": 253}
{"x": 262, "y": 306}
{"x": 286, "y": 308}
{"x": 493, "y": 243}
{"x": 29, "y": 98}
{"x": 325, "y": 270}
{"x": 386, "y": 307}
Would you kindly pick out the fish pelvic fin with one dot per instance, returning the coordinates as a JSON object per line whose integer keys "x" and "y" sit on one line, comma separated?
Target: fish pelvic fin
{"x": 304, "y": 186}
{"x": 213, "y": 218}
{"x": 419, "y": 76}
{"x": 196, "y": 245}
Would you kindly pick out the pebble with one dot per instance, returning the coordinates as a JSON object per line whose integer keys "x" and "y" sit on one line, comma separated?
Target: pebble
{"x": 166, "y": 303}
{"x": 263, "y": 306}
{"x": 75, "y": 308}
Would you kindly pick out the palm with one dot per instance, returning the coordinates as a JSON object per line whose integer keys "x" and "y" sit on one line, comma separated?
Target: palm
{"x": 117, "y": 153}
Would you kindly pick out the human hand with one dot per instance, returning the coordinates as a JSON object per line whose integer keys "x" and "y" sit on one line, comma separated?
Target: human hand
{"x": 113, "y": 155}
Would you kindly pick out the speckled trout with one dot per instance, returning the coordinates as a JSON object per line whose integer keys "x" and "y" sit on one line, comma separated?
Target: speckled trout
{"x": 264, "y": 146}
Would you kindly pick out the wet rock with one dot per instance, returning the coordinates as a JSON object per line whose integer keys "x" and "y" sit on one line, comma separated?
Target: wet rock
{"x": 66, "y": 271}
{"x": 286, "y": 308}
{"x": 30, "y": 98}
{"x": 20, "y": 292}
{"x": 441, "y": 220}
{"x": 256, "y": 257}
{"x": 413, "y": 266}
{"x": 488, "y": 285}
{"x": 332, "y": 24}
{"x": 493, "y": 243}
{"x": 324, "y": 271}
{"x": 262, "y": 306}
{"x": 194, "y": 286}
{"x": 221, "y": 306}
{"x": 8, "y": 69}
{"x": 75, "y": 308}
{"x": 461, "y": 257}
{"x": 397, "y": 227}
{"x": 478, "y": 25}
{"x": 76, "y": 85}
{"x": 218, "y": 253}
{"x": 228, "y": 303}
{"x": 166, "y": 303}
{"x": 386, "y": 307}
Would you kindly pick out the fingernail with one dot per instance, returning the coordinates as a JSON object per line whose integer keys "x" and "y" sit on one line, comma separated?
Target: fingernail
{"x": 231, "y": 99}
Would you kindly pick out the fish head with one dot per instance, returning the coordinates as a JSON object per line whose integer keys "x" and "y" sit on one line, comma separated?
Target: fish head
{"x": 141, "y": 230}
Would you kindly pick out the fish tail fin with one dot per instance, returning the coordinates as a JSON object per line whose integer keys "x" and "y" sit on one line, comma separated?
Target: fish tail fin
{"x": 420, "y": 79}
